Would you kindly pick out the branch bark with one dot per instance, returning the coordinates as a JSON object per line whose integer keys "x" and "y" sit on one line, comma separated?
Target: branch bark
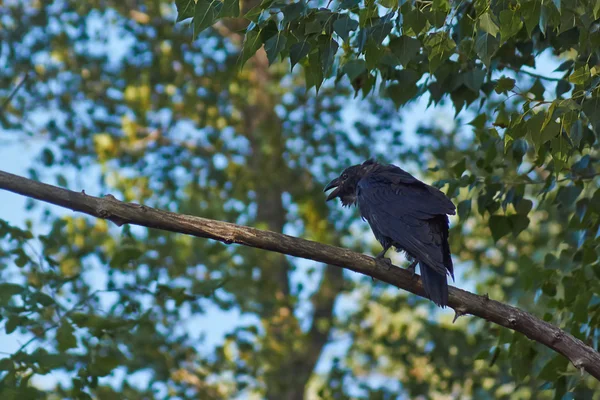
{"x": 583, "y": 357}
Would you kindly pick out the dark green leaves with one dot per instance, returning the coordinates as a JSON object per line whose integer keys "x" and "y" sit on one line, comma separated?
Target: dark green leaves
{"x": 510, "y": 24}
{"x": 568, "y": 194}
{"x": 502, "y": 225}
{"x": 487, "y": 24}
{"x": 274, "y": 46}
{"x": 486, "y": 46}
{"x": 298, "y": 51}
{"x": 344, "y": 25}
{"x": 405, "y": 48}
{"x": 124, "y": 256}
{"x": 252, "y": 42}
{"x": 205, "y": 14}
{"x": 293, "y": 11}
{"x": 531, "y": 11}
{"x": 439, "y": 47}
{"x": 185, "y": 9}
{"x": 406, "y": 88}
{"x": 327, "y": 48}
{"x": 65, "y": 336}
{"x": 7, "y": 290}
{"x": 313, "y": 73}
{"x": 580, "y": 75}
{"x": 354, "y": 68}
{"x": 504, "y": 85}
{"x": 231, "y": 8}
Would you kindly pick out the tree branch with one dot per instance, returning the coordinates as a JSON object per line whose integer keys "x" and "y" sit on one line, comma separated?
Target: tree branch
{"x": 581, "y": 355}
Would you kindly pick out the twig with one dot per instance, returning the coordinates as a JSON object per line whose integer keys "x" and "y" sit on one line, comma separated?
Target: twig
{"x": 533, "y": 74}
{"x": 580, "y": 354}
{"x": 12, "y": 94}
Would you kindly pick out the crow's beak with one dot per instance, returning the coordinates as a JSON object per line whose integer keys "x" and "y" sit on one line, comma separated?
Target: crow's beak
{"x": 333, "y": 184}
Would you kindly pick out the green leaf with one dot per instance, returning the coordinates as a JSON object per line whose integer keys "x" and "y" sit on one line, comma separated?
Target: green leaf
{"x": 554, "y": 368}
{"x": 405, "y": 48}
{"x": 406, "y": 89}
{"x": 274, "y": 46}
{"x": 544, "y": 135}
{"x": 474, "y": 79}
{"x": 313, "y": 74}
{"x": 104, "y": 365}
{"x": 510, "y": 24}
{"x": 464, "y": 209}
{"x": 354, "y": 68}
{"x": 327, "y": 48}
{"x": 8, "y": 290}
{"x": 459, "y": 167}
{"x": 591, "y": 108}
{"x": 524, "y": 206}
{"x": 6, "y": 364}
{"x": 124, "y": 256}
{"x": 567, "y": 195}
{"x": 487, "y": 24}
{"x": 344, "y": 25}
{"x": 252, "y": 42}
{"x": 43, "y": 299}
{"x": 347, "y": 4}
{"x": 12, "y": 324}
{"x": 562, "y": 87}
{"x": 502, "y": 119}
{"x": 231, "y": 8}
{"x": 65, "y": 337}
{"x": 504, "y": 85}
{"x": 47, "y": 157}
{"x": 313, "y": 26}
{"x": 185, "y": 9}
{"x": 500, "y": 226}
{"x": 486, "y": 46}
{"x": 440, "y": 47}
{"x": 380, "y": 31}
{"x": 531, "y": 11}
{"x": 373, "y": 54}
{"x": 401, "y": 94}
{"x": 293, "y": 11}
{"x": 298, "y": 51}
{"x": 205, "y": 14}
{"x": 518, "y": 223}
{"x": 415, "y": 20}
{"x": 580, "y": 75}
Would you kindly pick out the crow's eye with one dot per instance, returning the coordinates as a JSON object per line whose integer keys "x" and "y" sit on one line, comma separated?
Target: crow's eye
{"x": 344, "y": 176}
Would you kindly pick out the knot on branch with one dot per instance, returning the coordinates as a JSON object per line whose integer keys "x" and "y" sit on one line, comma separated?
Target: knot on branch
{"x": 459, "y": 312}
{"x": 557, "y": 337}
{"x": 106, "y": 214}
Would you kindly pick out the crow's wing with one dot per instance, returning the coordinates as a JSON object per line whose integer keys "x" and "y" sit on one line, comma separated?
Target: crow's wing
{"x": 437, "y": 203}
{"x": 407, "y": 213}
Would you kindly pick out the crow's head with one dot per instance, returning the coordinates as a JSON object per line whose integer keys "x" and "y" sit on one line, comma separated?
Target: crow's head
{"x": 345, "y": 184}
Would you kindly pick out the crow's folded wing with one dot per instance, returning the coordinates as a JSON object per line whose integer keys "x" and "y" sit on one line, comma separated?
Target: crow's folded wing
{"x": 408, "y": 214}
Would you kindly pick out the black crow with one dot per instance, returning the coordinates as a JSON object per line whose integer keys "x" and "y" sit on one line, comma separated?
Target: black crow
{"x": 405, "y": 213}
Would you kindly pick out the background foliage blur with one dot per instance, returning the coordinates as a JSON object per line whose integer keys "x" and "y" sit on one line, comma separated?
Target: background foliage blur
{"x": 130, "y": 103}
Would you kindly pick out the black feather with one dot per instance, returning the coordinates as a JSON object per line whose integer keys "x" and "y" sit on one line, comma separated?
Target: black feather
{"x": 405, "y": 213}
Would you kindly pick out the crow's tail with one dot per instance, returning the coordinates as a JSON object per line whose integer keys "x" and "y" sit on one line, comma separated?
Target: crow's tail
{"x": 435, "y": 285}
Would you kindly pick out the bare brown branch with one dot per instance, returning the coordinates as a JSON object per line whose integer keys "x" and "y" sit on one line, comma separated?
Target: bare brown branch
{"x": 581, "y": 355}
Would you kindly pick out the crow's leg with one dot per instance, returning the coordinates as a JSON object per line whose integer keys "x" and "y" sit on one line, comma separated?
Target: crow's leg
{"x": 380, "y": 256}
{"x": 412, "y": 267}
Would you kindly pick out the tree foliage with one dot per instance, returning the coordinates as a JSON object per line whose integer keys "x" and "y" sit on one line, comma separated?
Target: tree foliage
{"x": 211, "y": 116}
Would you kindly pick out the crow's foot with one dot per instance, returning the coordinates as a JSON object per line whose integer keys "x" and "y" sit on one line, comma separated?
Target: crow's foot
{"x": 384, "y": 261}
